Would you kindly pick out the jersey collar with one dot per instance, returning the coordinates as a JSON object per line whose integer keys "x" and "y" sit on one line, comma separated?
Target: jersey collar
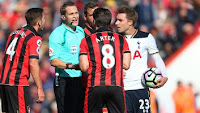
{"x": 101, "y": 29}
{"x": 32, "y": 29}
{"x": 69, "y": 29}
{"x": 91, "y": 30}
{"x": 133, "y": 35}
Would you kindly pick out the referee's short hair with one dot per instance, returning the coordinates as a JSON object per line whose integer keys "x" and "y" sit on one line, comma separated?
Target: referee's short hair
{"x": 102, "y": 17}
{"x": 33, "y": 15}
{"x": 63, "y": 7}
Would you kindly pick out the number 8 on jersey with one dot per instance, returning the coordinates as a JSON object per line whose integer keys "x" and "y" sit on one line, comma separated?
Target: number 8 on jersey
{"x": 108, "y": 58}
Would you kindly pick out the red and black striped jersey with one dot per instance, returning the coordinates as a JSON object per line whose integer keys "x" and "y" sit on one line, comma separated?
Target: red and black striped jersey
{"x": 22, "y": 45}
{"x": 105, "y": 51}
{"x": 88, "y": 31}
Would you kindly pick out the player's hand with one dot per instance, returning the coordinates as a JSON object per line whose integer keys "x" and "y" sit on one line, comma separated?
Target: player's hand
{"x": 161, "y": 82}
{"x": 73, "y": 66}
{"x": 76, "y": 67}
{"x": 41, "y": 96}
{"x": 124, "y": 72}
{"x": 69, "y": 66}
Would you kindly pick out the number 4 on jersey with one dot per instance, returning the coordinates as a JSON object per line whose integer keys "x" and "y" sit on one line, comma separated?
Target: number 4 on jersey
{"x": 11, "y": 48}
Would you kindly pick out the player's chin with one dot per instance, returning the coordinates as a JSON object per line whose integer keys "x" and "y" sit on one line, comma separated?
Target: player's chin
{"x": 75, "y": 23}
{"x": 119, "y": 30}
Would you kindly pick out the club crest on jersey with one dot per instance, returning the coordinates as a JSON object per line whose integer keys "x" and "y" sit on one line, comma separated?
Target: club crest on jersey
{"x": 73, "y": 49}
{"x": 51, "y": 52}
{"x": 39, "y": 42}
{"x": 38, "y": 50}
{"x": 28, "y": 109}
{"x": 138, "y": 44}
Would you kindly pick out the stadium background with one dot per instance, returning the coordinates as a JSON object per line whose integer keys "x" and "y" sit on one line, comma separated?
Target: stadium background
{"x": 175, "y": 24}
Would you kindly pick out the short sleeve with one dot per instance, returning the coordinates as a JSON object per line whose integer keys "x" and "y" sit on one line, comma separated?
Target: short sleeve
{"x": 125, "y": 46}
{"x": 55, "y": 43}
{"x": 152, "y": 47}
{"x": 83, "y": 47}
{"x": 34, "y": 46}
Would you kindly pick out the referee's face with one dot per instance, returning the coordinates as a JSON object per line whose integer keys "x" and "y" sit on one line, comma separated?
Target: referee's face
{"x": 72, "y": 15}
{"x": 122, "y": 23}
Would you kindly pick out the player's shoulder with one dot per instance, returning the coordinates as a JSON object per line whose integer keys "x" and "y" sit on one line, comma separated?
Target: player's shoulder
{"x": 119, "y": 35}
{"x": 110, "y": 33}
{"x": 33, "y": 34}
{"x": 31, "y": 29}
{"x": 115, "y": 33}
{"x": 141, "y": 34}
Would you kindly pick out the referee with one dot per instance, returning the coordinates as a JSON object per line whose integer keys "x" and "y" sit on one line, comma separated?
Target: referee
{"x": 64, "y": 44}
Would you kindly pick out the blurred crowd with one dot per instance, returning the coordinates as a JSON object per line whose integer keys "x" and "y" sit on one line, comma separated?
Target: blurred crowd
{"x": 171, "y": 22}
{"x": 186, "y": 98}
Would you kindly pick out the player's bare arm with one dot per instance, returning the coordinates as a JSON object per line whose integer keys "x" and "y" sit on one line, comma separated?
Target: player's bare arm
{"x": 35, "y": 71}
{"x": 83, "y": 62}
{"x": 126, "y": 60}
{"x": 60, "y": 64}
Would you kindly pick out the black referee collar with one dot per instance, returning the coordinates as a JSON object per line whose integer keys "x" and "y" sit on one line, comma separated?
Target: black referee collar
{"x": 101, "y": 29}
{"x": 32, "y": 29}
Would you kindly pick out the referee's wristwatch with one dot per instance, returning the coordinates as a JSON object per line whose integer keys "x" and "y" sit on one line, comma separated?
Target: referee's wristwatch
{"x": 67, "y": 65}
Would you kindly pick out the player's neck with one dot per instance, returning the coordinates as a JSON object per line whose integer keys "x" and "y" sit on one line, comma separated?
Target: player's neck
{"x": 88, "y": 25}
{"x": 130, "y": 31}
{"x": 36, "y": 28}
{"x": 97, "y": 28}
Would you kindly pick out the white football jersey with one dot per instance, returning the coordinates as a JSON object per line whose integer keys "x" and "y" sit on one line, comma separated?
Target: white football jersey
{"x": 140, "y": 44}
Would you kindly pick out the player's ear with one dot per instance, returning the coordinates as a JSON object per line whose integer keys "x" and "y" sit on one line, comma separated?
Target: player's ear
{"x": 130, "y": 22}
{"x": 39, "y": 23}
{"x": 63, "y": 17}
{"x": 84, "y": 16}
